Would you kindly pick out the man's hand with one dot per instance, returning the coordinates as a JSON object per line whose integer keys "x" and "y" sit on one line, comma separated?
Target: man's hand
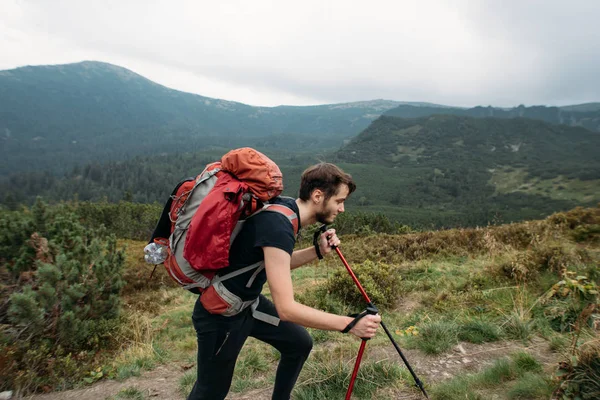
{"x": 366, "y": 326}
{"x": 328, "y": 239}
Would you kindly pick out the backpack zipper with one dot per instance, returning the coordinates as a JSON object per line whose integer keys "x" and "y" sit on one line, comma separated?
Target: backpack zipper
{"x": 222, "y": 344}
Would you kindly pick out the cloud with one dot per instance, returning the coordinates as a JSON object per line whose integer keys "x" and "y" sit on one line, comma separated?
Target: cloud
{"x": 273, "y": 52}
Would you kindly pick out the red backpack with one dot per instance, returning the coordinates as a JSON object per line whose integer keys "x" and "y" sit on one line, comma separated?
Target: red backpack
{"x": 205, "y": 215}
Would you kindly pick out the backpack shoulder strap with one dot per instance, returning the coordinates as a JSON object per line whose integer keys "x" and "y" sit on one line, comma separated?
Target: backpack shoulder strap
{"x": 288, "y": 212}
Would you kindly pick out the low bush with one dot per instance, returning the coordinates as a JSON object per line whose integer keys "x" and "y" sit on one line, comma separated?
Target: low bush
{"x": 62, "y": 287}
{"x": 579, "y": 377}
{"x": 379, "y": 280}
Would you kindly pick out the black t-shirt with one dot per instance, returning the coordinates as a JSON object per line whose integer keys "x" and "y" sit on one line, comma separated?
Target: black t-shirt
{"x": 265, "y": 229}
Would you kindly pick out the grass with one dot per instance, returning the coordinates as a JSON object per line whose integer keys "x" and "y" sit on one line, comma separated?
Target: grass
{"x": 186, "y": 382}
{"x": 531, "y": 386}
{"x": 437, "y": 337}
{"x": 478, "y": 331}
{"x": 454, "y": 286}
{"x": 559, "y": 188}
{"x": 519, "y": 377}
{"x": 130, "y": 393}
{"x": 330, "y": 380}
{"x": 251, "y": 367}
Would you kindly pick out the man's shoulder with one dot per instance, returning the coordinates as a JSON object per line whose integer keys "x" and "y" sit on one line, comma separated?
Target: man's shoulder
{"x": 288, "y": 202}
{"x": 275, "y": 220}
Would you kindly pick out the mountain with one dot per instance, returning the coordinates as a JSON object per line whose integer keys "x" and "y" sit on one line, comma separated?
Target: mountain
{"x": 584, "y": 115}
{"x": 53, "y": 117}
{"x": 472, "y": 168}
{"x": 436, "y": 171}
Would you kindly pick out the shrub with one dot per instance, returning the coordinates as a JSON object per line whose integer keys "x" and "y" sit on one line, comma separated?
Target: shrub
{"x": 320, "y": 298}
{"x": 379, "y": 280}
{"x": 64, "y": 298}
{"x": 125, "y": 219}
{"x": 363, "y": 223}
{"x": 567, "y": 299}
{"x": 580, "y": 376}
{"x": 527, "y": 265}
{"x": 585, "y": 233}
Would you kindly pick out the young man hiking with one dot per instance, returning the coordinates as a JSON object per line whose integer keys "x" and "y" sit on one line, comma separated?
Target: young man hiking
{"x": 270, "y": 237}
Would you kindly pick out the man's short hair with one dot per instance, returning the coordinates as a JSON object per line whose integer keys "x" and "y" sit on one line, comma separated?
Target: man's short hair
{"x": 325, "y": 177}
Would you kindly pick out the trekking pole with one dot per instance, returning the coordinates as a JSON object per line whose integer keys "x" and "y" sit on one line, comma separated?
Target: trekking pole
{"x": 389, "y": 335}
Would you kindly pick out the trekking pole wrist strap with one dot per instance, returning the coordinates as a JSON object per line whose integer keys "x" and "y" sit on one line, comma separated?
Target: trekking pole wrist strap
{"x": 358, "y": 317}
{"x": 316, "y": 237}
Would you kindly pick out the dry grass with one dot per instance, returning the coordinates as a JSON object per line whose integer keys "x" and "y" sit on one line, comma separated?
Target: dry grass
{"x": 495, "y": 275}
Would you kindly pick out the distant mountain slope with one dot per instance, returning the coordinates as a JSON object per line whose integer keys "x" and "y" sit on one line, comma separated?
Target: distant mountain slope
{"x": 442, "y": 139}
{"x": 56, "y": 116}
{"x": 584, "y": 115}
{"x": 431, "y": 171}
{"x": 518, "y": 167}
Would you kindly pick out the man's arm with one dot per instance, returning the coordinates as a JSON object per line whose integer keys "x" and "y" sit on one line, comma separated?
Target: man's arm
{"x": 304, "y": 256}
{"x": 279, "y": 277}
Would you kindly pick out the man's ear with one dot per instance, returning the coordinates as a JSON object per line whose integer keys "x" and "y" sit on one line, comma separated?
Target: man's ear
{"x": 317, "y": 196}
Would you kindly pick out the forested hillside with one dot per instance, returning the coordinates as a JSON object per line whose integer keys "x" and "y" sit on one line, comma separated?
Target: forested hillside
{"x": 474, "y": 169}
{"x": 584, "y": 115}
{"x": 435, "y": 171}
{"x": 53, "y": 117}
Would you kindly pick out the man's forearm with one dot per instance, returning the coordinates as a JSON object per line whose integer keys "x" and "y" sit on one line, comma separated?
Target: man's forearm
{"x": 304, "y": 256}
{"x": 312, "y": 318}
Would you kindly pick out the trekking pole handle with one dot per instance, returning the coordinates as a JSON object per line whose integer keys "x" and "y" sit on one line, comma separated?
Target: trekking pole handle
{"x": 323, "y": 229}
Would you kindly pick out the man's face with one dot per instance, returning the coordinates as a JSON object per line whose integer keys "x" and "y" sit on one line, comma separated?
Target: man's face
{"x": 333, "y": 206}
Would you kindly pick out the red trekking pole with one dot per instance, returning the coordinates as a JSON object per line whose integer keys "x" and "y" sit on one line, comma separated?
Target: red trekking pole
{"x": 371, "y": 309}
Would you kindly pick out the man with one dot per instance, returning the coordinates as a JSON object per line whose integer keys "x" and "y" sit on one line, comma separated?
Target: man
{"x": 269, "y": 236}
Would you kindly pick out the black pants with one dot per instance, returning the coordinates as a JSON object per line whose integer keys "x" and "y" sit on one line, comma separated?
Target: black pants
{"x": 220, "y": 340}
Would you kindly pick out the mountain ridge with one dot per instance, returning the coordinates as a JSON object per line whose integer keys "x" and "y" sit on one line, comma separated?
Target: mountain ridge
{"x": 94, "y": 111}
{"x": 586, "y": 115}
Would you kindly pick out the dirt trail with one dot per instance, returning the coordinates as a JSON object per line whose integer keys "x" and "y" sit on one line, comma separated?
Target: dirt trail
{"x": 163, "y": 382}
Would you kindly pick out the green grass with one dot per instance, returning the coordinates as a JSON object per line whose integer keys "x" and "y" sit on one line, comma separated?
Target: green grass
{"x": 520, "y": 374}
{"x": 186, "y": 382}
{"x": 478, "y": 331}
{"x": 251, "y": 367}
{"x": 501, "y": 371}
{"x": 518, "y": 328}
{"x": 330, "y": 380}
{"x": 558, "y": 188}
{"x": 531, "y": 386}
{"x": 558, "y": 343}
{"x": 437, "y": 337}
{"x": 454, "y": 389}
{"x": 130, "y": 393}
{"x": 525, "y": 362}
{"x": 127, "y": 371}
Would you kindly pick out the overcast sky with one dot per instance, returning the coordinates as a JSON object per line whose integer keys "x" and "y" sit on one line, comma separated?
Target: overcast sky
{"x": 455, "y": 52}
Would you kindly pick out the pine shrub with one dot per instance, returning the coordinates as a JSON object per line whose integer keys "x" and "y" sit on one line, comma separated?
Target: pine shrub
{"x": 62, "y": 282}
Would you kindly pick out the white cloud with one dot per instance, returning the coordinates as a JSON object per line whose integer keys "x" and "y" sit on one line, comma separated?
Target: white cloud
{"x": 276, "y": 52}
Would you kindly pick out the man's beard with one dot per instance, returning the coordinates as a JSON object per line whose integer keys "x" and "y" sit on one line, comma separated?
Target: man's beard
{"x": 324, "y": 217}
